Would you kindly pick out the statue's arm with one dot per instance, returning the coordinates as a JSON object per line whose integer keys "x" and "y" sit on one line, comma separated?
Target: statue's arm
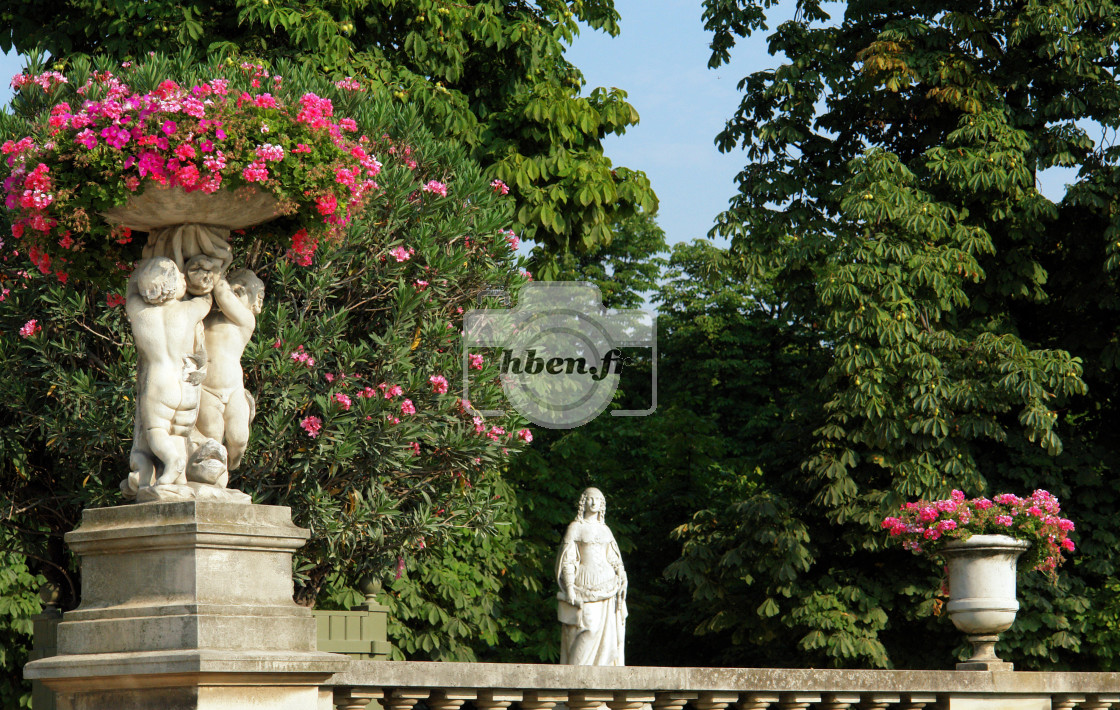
{"x": 233, "y": 308}
{"x": 133, "y": 300}
{"x": 200, "y": 305}
{"x": 614, "y": 557}
{"x": 566, "y": 564}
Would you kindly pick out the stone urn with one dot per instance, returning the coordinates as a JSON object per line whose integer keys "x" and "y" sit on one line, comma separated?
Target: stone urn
{"x": 982, "y": 601}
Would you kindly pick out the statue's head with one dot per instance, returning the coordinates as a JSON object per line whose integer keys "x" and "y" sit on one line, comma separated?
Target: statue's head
{"x": 159, "y": 280}
{"x": 202, "y": 273}
{"x": 248, "y": 288}
{"x": 593, "y": 501}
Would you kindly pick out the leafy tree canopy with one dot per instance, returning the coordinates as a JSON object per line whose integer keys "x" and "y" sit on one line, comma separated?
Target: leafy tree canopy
{"x": 489, "y": 72}
{"x": 891, "y": 203}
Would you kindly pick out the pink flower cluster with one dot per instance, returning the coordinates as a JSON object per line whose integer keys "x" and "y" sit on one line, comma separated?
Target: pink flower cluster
{"x": 439, "y": 384}
{"x": 302, "y": 249}
{"x": 926, "y": 525}
{"x": 401, "y": 254}
{"x": 312, "y": 425}
{"x": 435, "y": 187}
{"x": 301, "y": 356}
{"x": 192, "y": 138}
{"x": 30, "y": 328}
{"x": 45, "y": 81}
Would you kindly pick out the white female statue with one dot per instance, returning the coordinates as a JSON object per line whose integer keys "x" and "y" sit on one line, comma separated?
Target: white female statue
{"x": 592, "y": 596}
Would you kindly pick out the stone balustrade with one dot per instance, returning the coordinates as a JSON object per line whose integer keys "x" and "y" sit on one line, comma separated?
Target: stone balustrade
{"x": 487, "y": 686}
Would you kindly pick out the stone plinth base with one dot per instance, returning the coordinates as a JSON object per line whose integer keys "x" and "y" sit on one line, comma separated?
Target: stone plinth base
{"x": 189, "y": 680}
{"x": 187, "y": 606}
{"x": 996, "y": 665}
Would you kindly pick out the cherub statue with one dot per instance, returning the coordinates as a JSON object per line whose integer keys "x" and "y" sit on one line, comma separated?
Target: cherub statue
{"x": 169, "y": 377}
{"x": 226, "y": 407}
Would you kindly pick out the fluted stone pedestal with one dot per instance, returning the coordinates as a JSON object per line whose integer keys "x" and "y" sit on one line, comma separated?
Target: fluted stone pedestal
{"x": 187, "y": 606}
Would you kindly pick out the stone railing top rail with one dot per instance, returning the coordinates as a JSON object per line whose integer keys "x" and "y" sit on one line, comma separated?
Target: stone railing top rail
{"x": 398, "y": 675}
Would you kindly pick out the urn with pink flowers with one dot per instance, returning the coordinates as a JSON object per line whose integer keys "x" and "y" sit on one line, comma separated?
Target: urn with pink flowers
{"x": 981, "y": 540}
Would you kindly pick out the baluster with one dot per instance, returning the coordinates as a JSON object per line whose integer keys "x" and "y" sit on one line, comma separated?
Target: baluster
{"x": 542, "y": 699}
{"x": 757, "y": 701}
{"x": 631, "y": 699}
{"x": 715, "y": 700}
{"x": 588, "y": 699}
{"x": 877, "y": 701}
{"x": 672, "y": 700}
{"x": 797, "y": 701}
{"x": 839, "y": 701}
{"x": 490, "y": 699}
{"x": 403, "y": 698}
{"x": 917, "y": 701}
{"x": 1099, "y": 702}
{"x": 355, "y": 698}
{"x": 444, "y": 699}
{"x": 1066, "y": 702}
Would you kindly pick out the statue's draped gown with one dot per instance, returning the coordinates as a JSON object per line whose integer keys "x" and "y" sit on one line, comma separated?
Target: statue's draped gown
{"x": 596, "y": 637}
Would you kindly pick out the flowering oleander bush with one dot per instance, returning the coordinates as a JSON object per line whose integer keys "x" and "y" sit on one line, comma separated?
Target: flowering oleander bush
{"x": 355, "y": 365}
{"x": 925, "y": 526}
{"x": 98, "y": 140}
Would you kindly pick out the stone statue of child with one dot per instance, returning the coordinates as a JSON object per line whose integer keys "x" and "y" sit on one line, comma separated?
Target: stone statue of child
{"x": 226, "y": 408}
{"x": 169, "y": 374}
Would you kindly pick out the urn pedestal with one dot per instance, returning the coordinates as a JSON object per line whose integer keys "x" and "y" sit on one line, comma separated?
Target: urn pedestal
{"x": 187, "y": 606}
{"x": 982, "y": 601}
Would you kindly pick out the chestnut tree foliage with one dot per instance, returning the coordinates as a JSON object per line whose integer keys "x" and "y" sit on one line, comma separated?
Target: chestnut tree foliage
{"x": 490, "y": 73}
{"x": 966, "y": 321}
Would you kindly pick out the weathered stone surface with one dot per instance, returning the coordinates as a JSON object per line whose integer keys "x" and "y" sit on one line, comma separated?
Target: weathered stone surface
{"x": 548, "y": 678}
{"x": 187, "y": 605}
{"x": 170, "y": 576}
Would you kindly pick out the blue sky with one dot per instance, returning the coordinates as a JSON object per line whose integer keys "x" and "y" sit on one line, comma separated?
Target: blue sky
{"x": 660, "y": 59}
